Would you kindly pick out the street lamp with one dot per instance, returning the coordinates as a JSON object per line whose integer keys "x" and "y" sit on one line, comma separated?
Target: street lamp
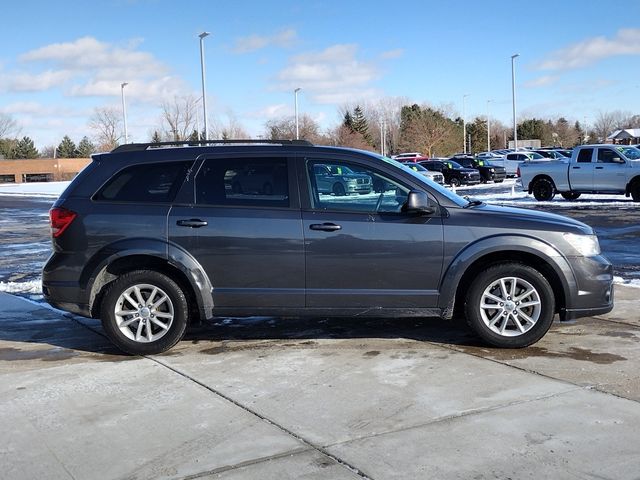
{"x": 124, "y": 112}
{"x": 204, "y": 92}
{"x": 464, "y": 126}
{"x": 513, "y": 94}
{"x": 295, "y": 97}
{"x": 488, "y": 128}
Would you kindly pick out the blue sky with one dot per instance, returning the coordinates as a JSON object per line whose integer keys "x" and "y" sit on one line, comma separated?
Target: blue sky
{"x": 60, "y": 60}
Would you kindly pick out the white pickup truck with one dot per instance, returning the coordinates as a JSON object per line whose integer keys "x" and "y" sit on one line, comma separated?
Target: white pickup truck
{"x": 591, "y": 169}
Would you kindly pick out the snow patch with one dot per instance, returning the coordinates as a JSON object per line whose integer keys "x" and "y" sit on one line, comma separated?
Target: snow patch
{"x": 633, "y": 282}
{"x": 33, "y": 286}
{"x": 36, "y": 189}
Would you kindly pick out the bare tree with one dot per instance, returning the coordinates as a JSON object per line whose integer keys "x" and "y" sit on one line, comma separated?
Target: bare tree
{"x": 284, "y": 128}
{"x": 106, "y": 126}
{"x": 179, "y": 117}
{"x": 228, "y": 129}
{"x": 8, "y": 126}
{"x": 607, "y": 122}
{"x": 385, "y": 112}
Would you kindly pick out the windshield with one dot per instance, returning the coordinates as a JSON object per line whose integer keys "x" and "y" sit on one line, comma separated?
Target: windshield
{"x": 415, "y": 167}
{"x": 461, "y": 202}
{"x": 632, "y": 153}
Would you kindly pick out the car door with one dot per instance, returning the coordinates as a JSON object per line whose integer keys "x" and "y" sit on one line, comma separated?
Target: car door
{"x": 581, "y": 171}
{"x": 246, "y": 234}
{"x": 362, "y": 251}
{"x": 610, "y": 170}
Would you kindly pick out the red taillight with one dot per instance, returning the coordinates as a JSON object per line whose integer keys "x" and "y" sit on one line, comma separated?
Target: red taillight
{"x": 60, "y": 218}
{"x": 518, "y": 172}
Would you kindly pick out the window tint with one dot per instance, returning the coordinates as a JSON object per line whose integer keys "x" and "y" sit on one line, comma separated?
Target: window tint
{"x": 146, "y": 183}
{"x": 260, "y": 182}
{"x": 585, "y": 155}
{"x": 606, "y": 155}
{"x": 355, "y": 188}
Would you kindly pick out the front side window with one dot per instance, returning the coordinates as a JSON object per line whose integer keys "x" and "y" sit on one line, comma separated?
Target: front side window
{"x": 145, "y": 183}
{"x": 259, "y": 182}
{"x": 351, "y": 187}
{"x": 606, "y": 155}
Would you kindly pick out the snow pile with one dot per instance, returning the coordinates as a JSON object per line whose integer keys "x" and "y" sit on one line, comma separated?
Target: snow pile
{"x": 33, "y": 286}
{"x": 633, "y": 282}
{"x": 36, "y": 189}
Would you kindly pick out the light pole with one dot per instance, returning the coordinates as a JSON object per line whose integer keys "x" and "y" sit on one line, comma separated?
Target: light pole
{"x": 464, "y": 126}
{"x": 488, "y": 128}
{"x": 204, "y": 91}
{"x": 513, "y": 94}
{"x": 295, "y": 100}
{"x": 124, "y": 112}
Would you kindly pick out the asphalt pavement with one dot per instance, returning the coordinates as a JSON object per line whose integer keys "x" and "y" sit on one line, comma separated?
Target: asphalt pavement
{"x": 271, "y": 398}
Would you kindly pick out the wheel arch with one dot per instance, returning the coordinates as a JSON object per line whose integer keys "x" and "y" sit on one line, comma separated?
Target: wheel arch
{"x": 632, "y": 182}
{"x": 502, "y": 249}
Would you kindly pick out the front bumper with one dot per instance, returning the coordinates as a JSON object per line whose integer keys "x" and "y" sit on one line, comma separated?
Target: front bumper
{"x": 594, "y": 295}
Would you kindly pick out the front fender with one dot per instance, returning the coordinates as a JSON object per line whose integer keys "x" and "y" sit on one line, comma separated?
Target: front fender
{"x": 495, "y": 245}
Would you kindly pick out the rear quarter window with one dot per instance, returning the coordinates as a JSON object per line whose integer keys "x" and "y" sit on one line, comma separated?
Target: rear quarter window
{"x": 145, "y": 183}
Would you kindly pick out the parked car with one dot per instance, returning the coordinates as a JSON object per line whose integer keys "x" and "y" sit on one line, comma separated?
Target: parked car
{"x": 407, "y": 156}
{"x": 149, "y": 239}
{"x": 552, "y": 154}
{"x": 435, "y": 176}
{"x": 454, "y": 173}
{"x": 513, "y": 160}
{"x": 341, "y": 180}
{"x": 489, "y": 172}
{"x": 591, "y": 169}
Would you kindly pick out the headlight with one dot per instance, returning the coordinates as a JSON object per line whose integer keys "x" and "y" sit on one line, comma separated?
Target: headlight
{"x": 586, "y": 245}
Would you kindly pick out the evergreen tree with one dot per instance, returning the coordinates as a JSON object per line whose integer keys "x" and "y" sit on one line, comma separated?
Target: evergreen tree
{"x": 348, "y": 121}
{"x": 359, "y": 123}
{"x": 25, "y": 149}
{"x": 156, "y": 138}
{"x": 66, "y": 149}
{"x": 194, "y": 136}
{"x": 85, "y": 148}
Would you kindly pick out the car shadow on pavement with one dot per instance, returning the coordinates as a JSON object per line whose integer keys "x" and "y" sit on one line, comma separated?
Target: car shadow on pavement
{"x": 434, "y": 330}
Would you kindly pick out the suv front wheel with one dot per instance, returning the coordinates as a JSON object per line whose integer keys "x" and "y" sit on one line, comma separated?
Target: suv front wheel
{"x": 510, "y": 305}
{"x": 144, "y": 312}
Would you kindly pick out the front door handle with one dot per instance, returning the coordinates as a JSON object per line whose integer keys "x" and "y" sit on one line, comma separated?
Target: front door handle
{"x": 192, "y": 222}
{"x": 325, "y": 227}
{"x": 599, "y": 168}
{"x": 576, "y": 168}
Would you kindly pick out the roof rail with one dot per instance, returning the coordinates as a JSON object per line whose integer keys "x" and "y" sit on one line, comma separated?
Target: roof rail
{"x": 139, "y": 147}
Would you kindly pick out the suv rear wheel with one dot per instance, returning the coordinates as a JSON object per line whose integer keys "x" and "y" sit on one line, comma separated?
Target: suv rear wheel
{"x": 543, "y": 190}
{"x": 144, "y": 312}
{"x": 510, "y": 305}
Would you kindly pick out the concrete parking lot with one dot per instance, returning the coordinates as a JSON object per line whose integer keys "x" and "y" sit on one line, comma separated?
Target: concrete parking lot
{"x": 274, "y": 398}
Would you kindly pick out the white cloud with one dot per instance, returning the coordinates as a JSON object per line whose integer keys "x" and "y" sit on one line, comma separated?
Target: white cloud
{"x": 543, "y": 81}
{"x": 592, "y": 50}
{"x": 89, "y": 67}
{"x": 285, "y": 38}
{"x": 330, "y": 76}
{"x": 271, "y": 111}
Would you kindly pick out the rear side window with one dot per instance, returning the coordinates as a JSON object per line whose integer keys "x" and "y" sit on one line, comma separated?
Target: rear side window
{"x": 585, "y": 155}
{"x": 257, "y": 182}
{"x": 146, "y": 183}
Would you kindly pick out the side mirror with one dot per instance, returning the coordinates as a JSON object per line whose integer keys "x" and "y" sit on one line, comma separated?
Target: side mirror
{"x": 418, "y": 203}
{"x": 617, "y": 160}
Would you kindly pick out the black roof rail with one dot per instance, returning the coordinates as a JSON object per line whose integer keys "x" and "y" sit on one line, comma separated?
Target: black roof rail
{"x": 139, "y": 147}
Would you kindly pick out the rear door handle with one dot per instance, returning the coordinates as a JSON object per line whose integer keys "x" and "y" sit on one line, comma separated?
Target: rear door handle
{"x": 192, "y": 222}
{"x": 576, "y": 167}
{"x": 325, "y": 227}
{"x": 599, "y": 168}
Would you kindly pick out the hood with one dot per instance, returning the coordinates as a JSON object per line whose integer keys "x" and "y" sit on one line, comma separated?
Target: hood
{"x": 533, "y": 219}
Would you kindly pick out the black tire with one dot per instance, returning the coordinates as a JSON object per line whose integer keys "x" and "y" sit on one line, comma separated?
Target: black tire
{"x": 570, "y": 195}
{"x": 635, "y": 191}
{"x": 499, "y": 181}
{"x": 338, "y": 190}
{"x": 480, "y": 318}
{"x": 455, "y": 182}
{"x": 543, "y": 190}
{"x": 116, "y": 326}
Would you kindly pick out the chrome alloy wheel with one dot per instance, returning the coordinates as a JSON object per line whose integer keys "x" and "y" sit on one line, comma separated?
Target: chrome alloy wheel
{"x": 144, "y": 313}
{"x": 510, "y": 306}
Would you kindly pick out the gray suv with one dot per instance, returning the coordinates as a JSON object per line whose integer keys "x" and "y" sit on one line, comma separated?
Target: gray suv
{"x": 151, "y": 237}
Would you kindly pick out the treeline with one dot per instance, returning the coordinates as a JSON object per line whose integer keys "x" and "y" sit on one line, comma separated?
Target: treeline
{"x": 390, "y": 124}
